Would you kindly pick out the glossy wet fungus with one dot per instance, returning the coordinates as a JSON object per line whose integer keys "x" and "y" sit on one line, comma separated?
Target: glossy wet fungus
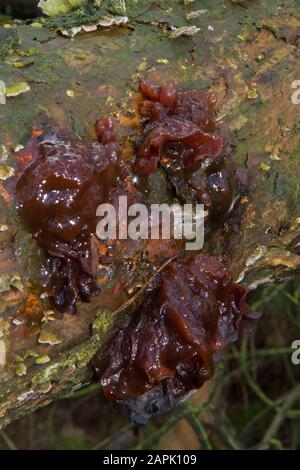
{"x": 180, "y": 134}
{"x": 169, "y": 348}
{"x": 174, "y": 339}
{"x": 58, "y": 194}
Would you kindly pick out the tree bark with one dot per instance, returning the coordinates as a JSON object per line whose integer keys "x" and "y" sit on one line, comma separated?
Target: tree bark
{"x": 248, "y": 55}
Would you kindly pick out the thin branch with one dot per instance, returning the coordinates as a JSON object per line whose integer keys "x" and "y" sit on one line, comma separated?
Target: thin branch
{"x": 276, "y": 423}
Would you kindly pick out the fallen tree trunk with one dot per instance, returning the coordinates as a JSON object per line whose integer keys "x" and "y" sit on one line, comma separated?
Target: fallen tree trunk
{"x": 248, "y": 54}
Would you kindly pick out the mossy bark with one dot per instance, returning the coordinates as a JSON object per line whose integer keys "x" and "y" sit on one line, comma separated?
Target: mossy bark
{"x": 248, "y": 54}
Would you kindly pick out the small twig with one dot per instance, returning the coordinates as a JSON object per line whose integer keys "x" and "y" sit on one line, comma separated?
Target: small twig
{"x": 293, "y": 414}
{"x": 275, "y": 290}
{"x": 82, "y": 392}
{"x": 199, "y": 429}
{"x": 252, "y": 424}
{"x": 265, "y": 353}
{"x": 276, "y": 423}
{"x": 254, "y": 387}
{"x": 258, "y": 391}
{"x": 105, "y": 442}
{"x": 224, "y": 428}
{"x": 148, "y": 283}
{"x": 10, "y": 444}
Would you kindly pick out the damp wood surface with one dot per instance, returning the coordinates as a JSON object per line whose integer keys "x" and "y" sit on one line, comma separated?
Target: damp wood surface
{"x": 248, "y": 55}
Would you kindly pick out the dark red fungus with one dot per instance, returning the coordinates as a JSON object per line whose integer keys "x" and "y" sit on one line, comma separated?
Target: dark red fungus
{"x": 58, "y": 194}
{"x": 180, "y": 133}
{"x": 170, "y": 346}
{"x": 180, "y": 127}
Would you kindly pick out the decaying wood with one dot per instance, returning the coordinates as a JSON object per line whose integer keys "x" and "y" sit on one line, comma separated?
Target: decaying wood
{"x": 248, "y": 54}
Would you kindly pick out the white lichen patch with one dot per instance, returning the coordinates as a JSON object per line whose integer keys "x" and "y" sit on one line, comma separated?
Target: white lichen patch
{"x": 42, "y": 359}
{"x": 259, "y": 253}
{"x": 265, "y": 166}
{"x": 17, "y": 89}
{"x": 17, "y": 322}
{"x": 21, "y": 369}
{"x": 88, "y": 28}
{"x": 6, "y": 172}
{"x": 30, "y": 353}
{"x": 162, "y": 61}
{"x": 10, "y": 280}
{"x": 45, "y": 388}
{"x": 184, "y": 31}
{"x": 25, "y": 396}
{"x": 274, "y": 157}
{"x": 32, "y": 394}
{"x": 252, "y": 94}
{"x": 195, "y": 14}
{"x": 47, "y": 337}
{"x": 18, "y": 148}
{"x": 3, "y": 153}
{"x": 266, "y": 280}
{"x": 70, "y": 93}
{"x": 108, "y": 20}
{"x": 15, "y": 281}
{"x": 105, "y": 22}
{"x": 142, "y": 65}
{"x": 71, "y": 33}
